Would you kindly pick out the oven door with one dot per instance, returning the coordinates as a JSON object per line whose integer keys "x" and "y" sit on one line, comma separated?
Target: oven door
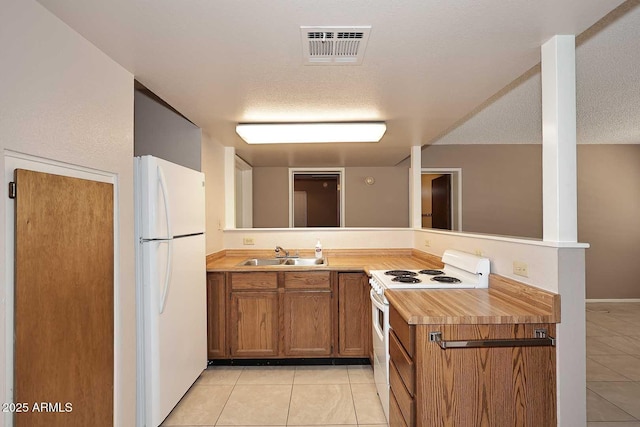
{"x": 380, "y": 333}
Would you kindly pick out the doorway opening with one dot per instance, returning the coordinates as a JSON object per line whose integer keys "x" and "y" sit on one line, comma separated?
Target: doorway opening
{"x": 442, "y": 198}
{"x": 316, "y": 197}
{"x": 243, "y": 194}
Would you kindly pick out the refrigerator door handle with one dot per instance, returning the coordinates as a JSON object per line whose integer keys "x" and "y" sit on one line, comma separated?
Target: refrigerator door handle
{"x": 167, "y": 214}
{"x": 167, "y": 210}
{"x": 167, "y": 276}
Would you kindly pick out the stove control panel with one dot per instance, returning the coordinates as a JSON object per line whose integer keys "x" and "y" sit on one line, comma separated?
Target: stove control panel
{"x": 377, "y": 287}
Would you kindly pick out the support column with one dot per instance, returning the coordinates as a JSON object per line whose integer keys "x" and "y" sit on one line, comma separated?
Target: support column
{"x": 415, "y": 190}
{"x": 559, "y": 171}
{"x": 560, "y": 225}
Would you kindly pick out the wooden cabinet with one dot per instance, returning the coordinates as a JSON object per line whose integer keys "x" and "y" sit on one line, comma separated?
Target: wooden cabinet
{"x": 254, "y": 315}
{"x": 307, "y": 314}
{"x": 216, "y": 316}
{"x": 307, "y": 323}
{"x": 354, "y": 315}
{"x": 280, "y": 314}
{"x": 497, "y": 386}
{"x": 254, "y": 324}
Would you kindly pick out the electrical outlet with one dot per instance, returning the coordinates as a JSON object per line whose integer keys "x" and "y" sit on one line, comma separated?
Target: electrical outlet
{"x": 520, "y": 268}
{"x": 478, "y": 252}
{"x": 427, "y": 243}
{"x": 248, "y": 241}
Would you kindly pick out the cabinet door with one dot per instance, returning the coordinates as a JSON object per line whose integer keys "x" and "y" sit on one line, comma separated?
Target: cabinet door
{"x": 500, "y": 386}
{"x": 254, "y": 324}
{"x": 216, "y": 315}
{"x": 307, "y": 323}
{"x": 354, "y": 320}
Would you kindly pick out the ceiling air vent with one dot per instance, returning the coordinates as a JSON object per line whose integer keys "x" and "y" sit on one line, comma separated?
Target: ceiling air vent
{"x": 334, "y": 45}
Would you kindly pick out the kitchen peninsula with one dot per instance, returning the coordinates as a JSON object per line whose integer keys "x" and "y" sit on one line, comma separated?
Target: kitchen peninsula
{"x": 428, "y": 383}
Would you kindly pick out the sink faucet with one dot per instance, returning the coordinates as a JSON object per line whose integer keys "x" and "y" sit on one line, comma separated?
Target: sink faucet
{"x": 280, "y": 250}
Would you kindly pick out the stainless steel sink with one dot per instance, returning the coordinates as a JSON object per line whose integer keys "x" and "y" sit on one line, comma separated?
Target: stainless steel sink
{"x": 300, "y": 262}
{"x": 263, "y": 261}
{"x": 305, "y": 261}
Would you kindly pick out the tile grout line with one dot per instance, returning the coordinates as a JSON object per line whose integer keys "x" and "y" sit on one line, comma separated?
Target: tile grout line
{"x": 293, "y": 383}
{"x": 228, "y": 397}
{"x": 353, "y": 399}
{"x": 612, "y": 315}
{"x": 613, "y": 404}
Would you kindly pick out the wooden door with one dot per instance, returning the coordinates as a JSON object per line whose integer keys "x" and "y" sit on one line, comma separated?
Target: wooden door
{"x": 254, "y": 324}
{"x": 216, "y": 315}
{"x": 63, "y": 301}
{"x": 354, "y": 315}
{"x": 441, "y": 202}
{"x": 307, "y": 323}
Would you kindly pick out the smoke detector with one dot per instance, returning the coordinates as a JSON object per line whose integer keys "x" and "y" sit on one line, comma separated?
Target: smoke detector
{"x": 334, "y": 45}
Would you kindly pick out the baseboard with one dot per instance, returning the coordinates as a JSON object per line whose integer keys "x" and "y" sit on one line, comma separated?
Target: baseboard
{"x": 614, "y": 300}
{"x": 290, "y": 362}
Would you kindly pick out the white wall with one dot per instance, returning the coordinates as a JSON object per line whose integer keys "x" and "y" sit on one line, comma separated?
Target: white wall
{"x": 63, "y": 99}
{"x": 213, "y": 168}
{"x": 331, "y": 238}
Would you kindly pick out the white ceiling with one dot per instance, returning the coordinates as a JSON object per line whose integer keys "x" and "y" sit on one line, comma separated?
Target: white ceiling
{"x": 427, "y": 65}
{"x": 607, "y": 92}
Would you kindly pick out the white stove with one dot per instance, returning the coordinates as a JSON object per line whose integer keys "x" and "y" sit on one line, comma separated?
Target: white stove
{"x": 461, "y": 271}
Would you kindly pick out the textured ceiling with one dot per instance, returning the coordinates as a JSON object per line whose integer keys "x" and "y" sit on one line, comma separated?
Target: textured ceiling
{"x": 427, "y": 65}
{"x": 607, "y": 92}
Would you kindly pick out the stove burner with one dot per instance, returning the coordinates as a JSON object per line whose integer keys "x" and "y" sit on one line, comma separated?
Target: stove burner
{"x": 400, "y": 273}
{"x": 446, "y": 279}
{"x": 431, "y": 272}
{"x": 406, "y": 279}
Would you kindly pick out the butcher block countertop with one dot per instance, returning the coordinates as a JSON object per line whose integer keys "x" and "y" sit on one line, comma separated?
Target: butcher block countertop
{"x": 506, "y": 301}
{"x": 337, "y": 260}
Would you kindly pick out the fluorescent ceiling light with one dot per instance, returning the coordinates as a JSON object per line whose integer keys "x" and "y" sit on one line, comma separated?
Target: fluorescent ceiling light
{"x": 288, "y": 133}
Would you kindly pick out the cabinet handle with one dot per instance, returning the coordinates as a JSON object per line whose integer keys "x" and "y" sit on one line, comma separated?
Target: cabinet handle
{"x": 540, "y": 339}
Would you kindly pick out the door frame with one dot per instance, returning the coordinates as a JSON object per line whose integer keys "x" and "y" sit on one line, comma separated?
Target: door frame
{"x": 311, "y": 171}
{"x": 244, "y": 194}
{"x": 13, "y": 160}
{"x": 456, "y": 193}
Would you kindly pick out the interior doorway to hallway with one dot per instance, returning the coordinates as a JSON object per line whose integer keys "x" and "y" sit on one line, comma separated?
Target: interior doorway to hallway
{"x": 442, "y": 198}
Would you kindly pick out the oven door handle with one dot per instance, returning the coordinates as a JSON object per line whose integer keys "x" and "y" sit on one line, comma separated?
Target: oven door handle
{"x": 374, "y": 299}
{"x": 379, "y": 306}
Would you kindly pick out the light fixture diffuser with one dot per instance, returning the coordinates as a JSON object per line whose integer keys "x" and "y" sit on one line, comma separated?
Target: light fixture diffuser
{"x": 308, "y": 133}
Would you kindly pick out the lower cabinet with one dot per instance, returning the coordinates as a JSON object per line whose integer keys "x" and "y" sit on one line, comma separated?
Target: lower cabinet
{"x": 254, "y": 324}
{"x": 268, "y": 314}
{"x": 354, "y": 315}
{"x": 307, "y": 323}
{"x": 486, "y": 386}
{"x": 216, "y": 316}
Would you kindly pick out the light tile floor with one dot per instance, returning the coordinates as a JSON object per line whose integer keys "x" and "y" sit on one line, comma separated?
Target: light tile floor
{"x": 279, "y": 396}
{"x": 346, "y": 395}
{"x": 613, "y": 364}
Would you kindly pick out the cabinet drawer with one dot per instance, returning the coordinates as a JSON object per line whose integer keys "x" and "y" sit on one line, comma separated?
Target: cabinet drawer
{"x": 396, "y": 419}
{"x": 307, "y": 280}
{"x": 254, "y": 280}
{"x": 406, "y": 333}
{"x": 403, "y": 363}
{"x": 403, "y": 398}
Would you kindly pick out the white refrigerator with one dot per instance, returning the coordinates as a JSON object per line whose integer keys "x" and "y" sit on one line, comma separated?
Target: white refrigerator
{"x": 170, "y": 285}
